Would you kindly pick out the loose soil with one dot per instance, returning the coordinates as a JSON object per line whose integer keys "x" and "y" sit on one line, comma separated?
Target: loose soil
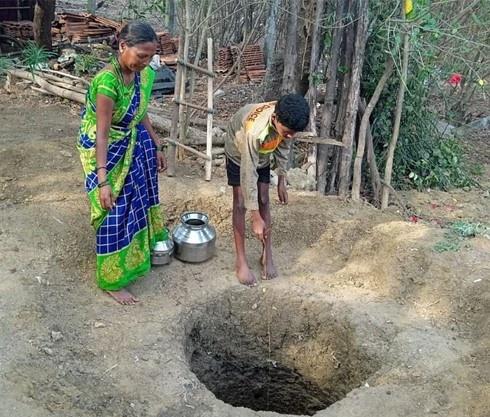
{"x": 365, "y": 318}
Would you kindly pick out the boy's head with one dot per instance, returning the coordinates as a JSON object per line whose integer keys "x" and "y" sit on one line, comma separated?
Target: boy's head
{"x": 292, "y": 113}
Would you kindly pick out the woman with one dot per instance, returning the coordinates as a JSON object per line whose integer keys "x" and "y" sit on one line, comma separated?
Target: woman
{"x": 118, "y": 150}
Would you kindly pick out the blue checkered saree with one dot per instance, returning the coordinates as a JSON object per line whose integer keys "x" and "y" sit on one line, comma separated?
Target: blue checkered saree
{"x": 126, "y": 234}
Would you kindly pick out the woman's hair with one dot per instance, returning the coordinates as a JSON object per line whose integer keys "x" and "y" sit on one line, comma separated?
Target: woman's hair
{"x": 136, "y": 32}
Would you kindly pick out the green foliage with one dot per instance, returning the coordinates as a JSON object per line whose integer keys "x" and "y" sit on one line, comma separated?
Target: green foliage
{"x": 468, "y": 229}
{"x": 422, "y": 158}
{"x": 86, "y": 64}
{"x": 140, "y": 10}
{"x": 441, "y": 167}
{"x": 458, "y": 232}
{"x": 5, "y": 64}
{"x": 449, "y": 244}
{"x": 34, "y": 56}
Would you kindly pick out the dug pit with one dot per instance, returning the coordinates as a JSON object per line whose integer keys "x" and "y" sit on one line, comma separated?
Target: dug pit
{"x": 271, "y": 351}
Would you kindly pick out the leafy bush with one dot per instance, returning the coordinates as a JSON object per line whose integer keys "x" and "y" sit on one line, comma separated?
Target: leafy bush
{"x": 34, "y": 56}
{"x": 86, "y": 63}
{"x": 5, "y": 64}
{"x": 422, "y": 158}
{"x": 455, "y": 236}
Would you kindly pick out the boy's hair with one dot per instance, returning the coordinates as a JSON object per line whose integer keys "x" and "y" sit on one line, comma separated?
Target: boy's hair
{"x": 136, "y": 32}
{"x": 293, "y": 112}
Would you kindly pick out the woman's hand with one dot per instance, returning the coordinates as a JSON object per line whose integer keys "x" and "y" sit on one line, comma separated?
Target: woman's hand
{"x": 107, "y": 200}
{"x": 161, "y": 161}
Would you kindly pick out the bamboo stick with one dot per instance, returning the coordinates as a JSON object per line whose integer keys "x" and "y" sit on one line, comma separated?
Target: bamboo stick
{"x": 65, "y": 75}
{"x": 174, "y": 124}
{"x": 197, "y": 68}
{"x": 194, "y": 106}
{"x": 69, "y": 86}
{"x": 44, "y": 84}
{"x": 209, "y": 130}
{"x": 188, "y": 148}
{"x": 182, "y": 94}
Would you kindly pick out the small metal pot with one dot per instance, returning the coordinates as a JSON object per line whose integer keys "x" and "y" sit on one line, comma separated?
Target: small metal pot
{"x": 194, "y": 237}
{"x": 162, "y": 253}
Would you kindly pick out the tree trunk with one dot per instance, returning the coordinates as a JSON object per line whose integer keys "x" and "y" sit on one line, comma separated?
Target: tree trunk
{"x": 328, "y": 110}
{"x": 313, "y": 91}
{"x": 271, "y": 32}
{"x": 396, "y": 126}
{"x": 291, "y": 52}
{"x": 356, "y": 180}
{"x": 91, "y": 5}
{"x": 352, "y": 108}
{"x": 43, "y": 16}
{"x": 170, "y": 16}
{"x": 343, "y": 88}
{"x": 373, "y": 167}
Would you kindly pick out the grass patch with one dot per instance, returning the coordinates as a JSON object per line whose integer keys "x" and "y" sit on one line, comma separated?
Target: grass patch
{"x": 458, "y": 233}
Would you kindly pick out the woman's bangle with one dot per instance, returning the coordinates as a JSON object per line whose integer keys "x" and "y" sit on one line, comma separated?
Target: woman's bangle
{"x": 103, "y": 184}
{"x": 104, "y": 167}
{"x": 161, "y": 148}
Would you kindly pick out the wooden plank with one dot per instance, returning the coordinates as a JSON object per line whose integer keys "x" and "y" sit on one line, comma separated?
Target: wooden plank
{"x": 318, "y": 140}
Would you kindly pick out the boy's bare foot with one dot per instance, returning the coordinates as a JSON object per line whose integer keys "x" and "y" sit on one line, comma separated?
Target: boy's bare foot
{"x": 123, "y": 297}
{"x": 269, "y": 270}
{"x": 245, "y": 276}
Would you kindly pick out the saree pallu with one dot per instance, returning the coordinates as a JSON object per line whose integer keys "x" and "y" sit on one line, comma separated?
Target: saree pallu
{"x": 125, "y": 234}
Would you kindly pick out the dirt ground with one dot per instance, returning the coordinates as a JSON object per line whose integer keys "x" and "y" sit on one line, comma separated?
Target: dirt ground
{"x": 365, "y": 319}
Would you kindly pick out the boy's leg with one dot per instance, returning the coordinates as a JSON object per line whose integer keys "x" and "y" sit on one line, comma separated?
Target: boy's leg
{"x": 269, "y": 270}
{"x": 244, "y": 275}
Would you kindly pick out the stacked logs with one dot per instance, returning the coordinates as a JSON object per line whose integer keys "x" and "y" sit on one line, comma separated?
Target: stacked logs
{"x": 252, "y": 64}
{"x": 82, "y": 28}
{"x": 19, "y": 30}
{"x": 167, "y": 49}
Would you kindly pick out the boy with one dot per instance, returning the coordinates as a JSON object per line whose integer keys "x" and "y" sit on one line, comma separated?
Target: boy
{"x": 254, "y": 133}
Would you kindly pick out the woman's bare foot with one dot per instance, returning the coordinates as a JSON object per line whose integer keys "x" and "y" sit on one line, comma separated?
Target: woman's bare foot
{"x": 245, "y": 276}
{"x": 123, "y": 297}
{"x": 269, "y": 270}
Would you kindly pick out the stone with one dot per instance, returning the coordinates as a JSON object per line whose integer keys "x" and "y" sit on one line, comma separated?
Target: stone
{"x": 444, "y": 128}
{"x": 300, "y": 180}
{"x": 56, "y": 336}
{"x": 219, "y": 93}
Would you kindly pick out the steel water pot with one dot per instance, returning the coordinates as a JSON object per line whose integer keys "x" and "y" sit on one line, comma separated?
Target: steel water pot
{"x": 194, "y": 237}
{"x": 163, "y": 250}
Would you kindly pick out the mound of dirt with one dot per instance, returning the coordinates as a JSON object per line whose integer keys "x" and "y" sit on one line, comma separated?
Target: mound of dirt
{"x": 366, "y": 317}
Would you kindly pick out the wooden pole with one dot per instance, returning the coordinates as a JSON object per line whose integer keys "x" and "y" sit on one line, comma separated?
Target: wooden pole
{"x": 361, "y": 142}
{"x": 329, "y": 107}
{"x": 209, "y": 128}
{"x": 174, "y": 126}
{"x": 398, "y": 115}
{"x": 313, "y": 91}
{"x": 353, "y": 99}
{"x": 185, "y": 58}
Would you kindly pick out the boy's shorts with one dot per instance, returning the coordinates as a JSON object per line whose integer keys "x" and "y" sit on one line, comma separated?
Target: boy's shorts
{"x": 233, "y": 173}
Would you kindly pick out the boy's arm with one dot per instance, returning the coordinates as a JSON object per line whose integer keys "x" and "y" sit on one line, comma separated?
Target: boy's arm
{"x": 281, "y": 153}
{"x": 249, "y": 160}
